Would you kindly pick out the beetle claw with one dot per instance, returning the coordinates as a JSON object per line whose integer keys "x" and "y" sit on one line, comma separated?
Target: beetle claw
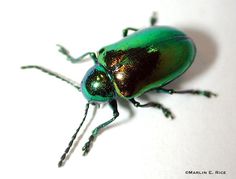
{"x": 86, "y": 148}
{"x": 209, "y": 94}
{"x": 168, "y": 113}
{"x": 87, "y": 145}
{"x": 63, "y": 50}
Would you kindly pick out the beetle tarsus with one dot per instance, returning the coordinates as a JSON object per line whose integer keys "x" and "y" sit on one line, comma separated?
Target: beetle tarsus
{"x": 63, "y": 50}
{"x": 153, "y": 19}
{"x": 87, "y": 145}
{"x": 205, "y": 93}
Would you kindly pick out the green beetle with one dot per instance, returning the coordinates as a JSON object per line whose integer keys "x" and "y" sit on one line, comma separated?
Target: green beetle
{"x": 146, "y": 60}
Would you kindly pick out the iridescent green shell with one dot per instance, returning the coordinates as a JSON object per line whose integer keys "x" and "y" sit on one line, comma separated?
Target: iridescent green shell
{"x": 147, "y": 59}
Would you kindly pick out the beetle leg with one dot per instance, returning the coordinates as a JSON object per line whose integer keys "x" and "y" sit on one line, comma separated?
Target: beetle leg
{"x": 153, "y": 19}
{"x": 205, "y": 93}
{"x": 166, "y": 111}
{"x": 65, "y": 52}
{"x": 95, "y": 132}
{"x": 125, "y": 31}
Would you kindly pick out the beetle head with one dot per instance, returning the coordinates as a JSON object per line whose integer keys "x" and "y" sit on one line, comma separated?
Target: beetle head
{"x": 97, "y": 85}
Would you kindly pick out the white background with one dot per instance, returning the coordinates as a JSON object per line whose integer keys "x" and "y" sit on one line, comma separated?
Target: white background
{"x": 39, "y": 113}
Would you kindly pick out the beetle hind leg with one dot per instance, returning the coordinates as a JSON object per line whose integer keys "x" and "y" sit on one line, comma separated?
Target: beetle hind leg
{"x": 205, "y": 93}
{"x": 165, "y": 111}
{"x": 153, "y": 19}
{"x": 96, "y": 131}
{"x": 126, "y": 30}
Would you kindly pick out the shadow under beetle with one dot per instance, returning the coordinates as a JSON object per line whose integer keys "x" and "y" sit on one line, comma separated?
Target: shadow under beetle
{"x": 146, "y": 60}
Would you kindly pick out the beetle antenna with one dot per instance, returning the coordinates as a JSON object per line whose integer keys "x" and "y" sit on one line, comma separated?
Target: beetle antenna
{"x": 60, "y": 163}
{"x": 63, "y": 78}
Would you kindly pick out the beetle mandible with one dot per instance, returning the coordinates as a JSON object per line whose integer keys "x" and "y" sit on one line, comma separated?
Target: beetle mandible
{"x": 146, "y": 60}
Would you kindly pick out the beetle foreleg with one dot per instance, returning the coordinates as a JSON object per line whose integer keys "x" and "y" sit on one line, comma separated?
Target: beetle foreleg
{"x": 205, "y": 93}
{"x": 125, "y": 31}
{"x": 95, "y": 132}
{"x": 166, "y": 111}
{"x": 65, "y": 52}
